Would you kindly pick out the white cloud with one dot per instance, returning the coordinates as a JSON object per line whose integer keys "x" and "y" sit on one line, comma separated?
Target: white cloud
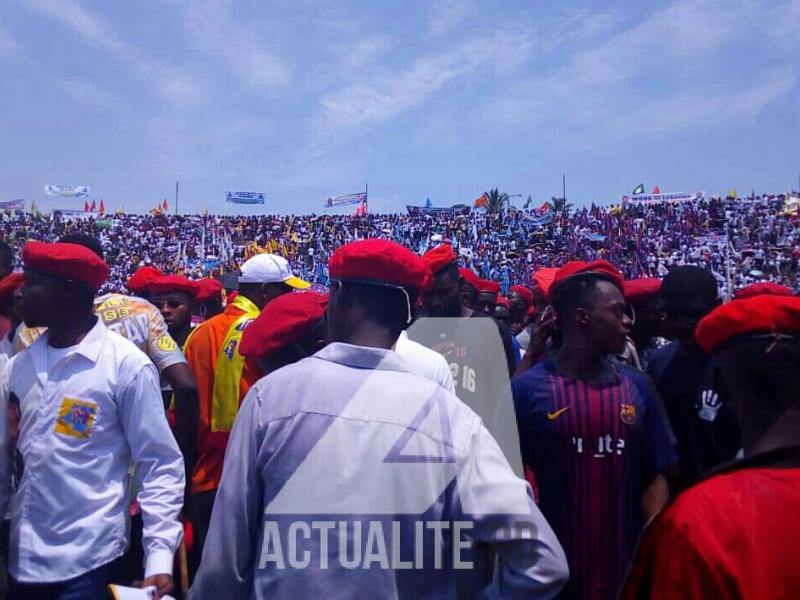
{"x": 88, "y": 93}
{"x": 8, "y": 47}
{"x": 365, "y": 103}
{"x": 177, "y": 86}
{"x": 446, "y": 14}
{"x": 662, "y": 74}
{"x": 258, "y": 68}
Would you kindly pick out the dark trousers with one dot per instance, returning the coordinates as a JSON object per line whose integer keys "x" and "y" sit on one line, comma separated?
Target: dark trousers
{"x": 89, "y": 586}
{"x": 200, "y": 514}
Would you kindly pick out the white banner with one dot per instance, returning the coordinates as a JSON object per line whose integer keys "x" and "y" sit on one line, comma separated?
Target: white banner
{"x": 13, "y": 205}
{"x": 659, "y": 198}
{"x": 245, "y": 197}
{"x": 67, "y": 191}
{"x": 345, "y": 199}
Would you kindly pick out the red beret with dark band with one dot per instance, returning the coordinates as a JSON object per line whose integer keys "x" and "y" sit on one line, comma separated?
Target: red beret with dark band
{"x": 470, "y": 277}
{"x": 380, "y": 262}
{"x": 763, "y": 288}
{"x": 69, "y": 261}
{"x": 579, "y": 267}
{"x": 488, "y": 287}
{"x": 209, "y": 289}
{"x": 282, "y": 322}
{"x": 439, "y": 257}
{"x": 142, "y": 277}
{"x": 173, "y": 283}
{"x": 637, "y": 290}
{"x": 524, "y": 293}
{"x": 759, "y": 314}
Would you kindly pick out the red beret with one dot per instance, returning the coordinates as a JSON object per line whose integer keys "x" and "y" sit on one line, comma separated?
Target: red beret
{"x": 764, "y": 288}
{"x": 579, "y": 267}
{"x": 502, "y": 301}
{"x": 142, "y": 277}
{"x": 637, "y": 290}
{"x": 470, "y": 277}
{"x": 8, "y": 285}
{"x": 759, "y": 314}
{"x": 282, "y": 322}
{"x": 488, "y": 287}
{"x": 524, "y": 293}
{"x": 208, "y": 289}
{"x": 543, "y": 278}
{"x": 439, "y": 257}
{"x": 173, "y": 283}
{"x": 70, "y": 261}
{"x": 381, "y": 262}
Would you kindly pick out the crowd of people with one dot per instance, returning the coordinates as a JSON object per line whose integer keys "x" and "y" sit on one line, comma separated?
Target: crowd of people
{"x": 591, "y": 405}
{"x": 749, "y": 239}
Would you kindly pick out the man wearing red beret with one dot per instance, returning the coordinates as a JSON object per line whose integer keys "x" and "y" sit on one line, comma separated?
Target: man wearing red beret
{"x": 734, "y": 534}
{"x": 649, "y": 317}
{"x": 208, "y": 302}
{"x": 592, "y": 434}
{"x": 488, "y": 292}
{"x": 89, "y": 408}
{"x": 174, "y": 296}
{"x": 346, "y": 472}
{"x": 140, "y": 280}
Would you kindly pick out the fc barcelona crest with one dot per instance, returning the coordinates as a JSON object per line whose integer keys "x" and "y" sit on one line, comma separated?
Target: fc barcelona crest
{"x": 627, "y": 413}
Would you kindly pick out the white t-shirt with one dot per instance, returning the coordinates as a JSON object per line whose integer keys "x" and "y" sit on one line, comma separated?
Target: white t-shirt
{"x": 426, "y": 362}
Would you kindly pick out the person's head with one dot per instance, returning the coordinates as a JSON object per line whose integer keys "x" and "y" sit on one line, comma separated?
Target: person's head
{"x": 590, "y": 310}
{"x": 470, "y": 283}
{"x": 289, "y": 329}
{"x": 442, "y": 298}
{"x": 173, "y": 295}
{"x": 6, "y": 259}
{"x": 646, "y": 307}
{"x": 140, "y": 280}
{"x": 501, "y": 309}
{"x": 11, "y": 297}
{"x": 374, "y": 287}
{"x": 208, "y": 301}
{"x": 487, "y": 297}
{"x": 756, "y": 343}
{"x": 689, "y": 293}
{"x": 265, "y": 277}
{"x": 520, "y": 299}
{"x": 60, "y": 282}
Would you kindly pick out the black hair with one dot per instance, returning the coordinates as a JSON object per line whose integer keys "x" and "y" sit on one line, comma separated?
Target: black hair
{"x": 574, "y": 293}
{"x": 449, "y": 272}
{"x": 6, "y": 254}
{"x": 382, "y": 304}
{"x": 87, "y": 241}
{"x": 763, "y": 370}
{"x": 689, "y": 281}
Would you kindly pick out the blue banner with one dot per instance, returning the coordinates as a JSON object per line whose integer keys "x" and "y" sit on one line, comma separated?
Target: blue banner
{"x": 245, "y": 197}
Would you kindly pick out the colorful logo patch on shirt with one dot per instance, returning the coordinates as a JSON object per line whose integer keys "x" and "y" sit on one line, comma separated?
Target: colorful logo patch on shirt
{"x": 166, "y": 344}
{"x": 627, "y": 413}
{"x": 76, "y": 417}
{"x": 231, "y": 349}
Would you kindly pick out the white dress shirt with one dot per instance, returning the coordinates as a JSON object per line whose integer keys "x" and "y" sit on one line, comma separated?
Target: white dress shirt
{"x": 350, "y": 436}
{"x": 82, "y": 422}
{"x": 426, "y": 362}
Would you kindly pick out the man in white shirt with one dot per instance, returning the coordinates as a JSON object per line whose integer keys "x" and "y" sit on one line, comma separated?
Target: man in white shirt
{"x": 348, "y": 475}
{"x": 89, "y": 405}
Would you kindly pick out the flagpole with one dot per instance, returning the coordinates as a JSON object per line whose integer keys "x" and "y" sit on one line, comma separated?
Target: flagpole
{"x": 176, "y": 195}
{"x": 564, "y": 187}
{"x": 366, "y": 196}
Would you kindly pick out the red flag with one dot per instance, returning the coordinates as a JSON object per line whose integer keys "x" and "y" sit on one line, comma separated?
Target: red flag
{"x": 482, "y": 201}
{"x": 93, "y": 207}
{"x": 360, "y": 210}
{"x": 656, "y": 190}
{"x": 165, "y": 206}
{"x": 86, "y": 206}
{"x": 102, "y": 207}
{"x": 545, "y": 207}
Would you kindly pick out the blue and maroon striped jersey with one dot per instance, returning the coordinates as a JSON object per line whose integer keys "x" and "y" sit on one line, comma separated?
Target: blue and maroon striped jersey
{"x": 593, "y": 449}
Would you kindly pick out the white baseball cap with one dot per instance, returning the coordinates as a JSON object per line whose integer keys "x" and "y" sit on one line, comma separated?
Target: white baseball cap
{"x": 270, "y": 268}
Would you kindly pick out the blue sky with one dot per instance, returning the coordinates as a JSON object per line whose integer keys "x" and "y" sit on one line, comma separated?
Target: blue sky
{"x": 443, "y": 99}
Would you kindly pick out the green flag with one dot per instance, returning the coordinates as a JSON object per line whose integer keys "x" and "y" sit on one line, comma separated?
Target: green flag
{"x": 639, "y": 189}
{"x": 528, "y": 202}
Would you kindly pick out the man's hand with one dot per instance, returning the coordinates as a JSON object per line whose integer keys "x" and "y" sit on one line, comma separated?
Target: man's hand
{"x": 163, "y": 582}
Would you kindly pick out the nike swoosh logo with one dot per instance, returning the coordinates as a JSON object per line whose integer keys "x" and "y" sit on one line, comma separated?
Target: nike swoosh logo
{"x": 552, "y": 416}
